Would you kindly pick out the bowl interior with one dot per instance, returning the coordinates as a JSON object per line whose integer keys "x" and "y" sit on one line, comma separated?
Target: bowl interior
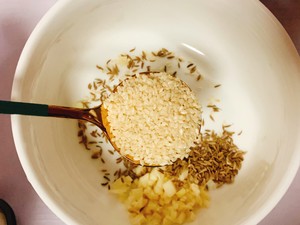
{"x": 258, "y": 71}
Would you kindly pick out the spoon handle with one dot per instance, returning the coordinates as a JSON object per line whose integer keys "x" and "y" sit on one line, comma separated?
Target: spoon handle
{"x": 21, "y": 108}
{"x": 34, "y": 109}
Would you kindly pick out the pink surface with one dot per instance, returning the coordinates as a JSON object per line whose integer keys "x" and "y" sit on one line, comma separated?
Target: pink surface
{"x": 17, "y": 20}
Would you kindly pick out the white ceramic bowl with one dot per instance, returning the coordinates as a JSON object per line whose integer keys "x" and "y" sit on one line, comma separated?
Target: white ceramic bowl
{"x": 236, "y": 43}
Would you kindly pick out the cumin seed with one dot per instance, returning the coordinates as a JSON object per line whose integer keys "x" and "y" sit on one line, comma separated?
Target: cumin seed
{"x": 144, "y": 55}
{"x": 111, "y": 152}
{"x": 193, "y": 69}
{"x": 105, "y": 177}
{"x": 99, "y": 67}
{"x": 95, "y": 155}
{"x": 119, "y": 160}
{"x": 132, "y": 50}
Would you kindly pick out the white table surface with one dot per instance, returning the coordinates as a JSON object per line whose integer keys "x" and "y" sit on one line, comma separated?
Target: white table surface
{"x": 17, "y": 19}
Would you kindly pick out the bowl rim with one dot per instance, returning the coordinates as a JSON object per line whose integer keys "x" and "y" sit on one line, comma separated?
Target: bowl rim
{"x": 43, "y": 193}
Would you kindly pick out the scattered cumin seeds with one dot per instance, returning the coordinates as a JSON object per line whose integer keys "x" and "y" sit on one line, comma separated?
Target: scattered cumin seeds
{"x": 193, "y": 69}
{"x": 218, "y": 85}
{"x": 80, "y": 133}
{"x": 211, "y": 117}
{"x": 104, "y": 184}
{"x": 224, "y": 126}
{"x": 189, "y": 65}
{"x": 132, "y": 50}
{"x": 102, "y": 160}
{"x": 202, "y": 122}
{"x": 106, "y": 178}
{"x": 94, "y": 133}
{"x": 109, "y": 70}
{"x": 95, "y": 85}
{"x": 119, "y": 160}
{"x": 95, "y": 155}
{"x": 144, "y": 56}
{"x": 214, "y": 108}
{"x": 100, "y": 151}
{"x": 137, "y": 59}
{"x": 99, "y": 67}
{"x": 130, "y": 64}
{"x": 84, "y": 141}
{"x": 116, "y": 173}
{"x": 111, "y": 152}
{"x": 115, "y": 70}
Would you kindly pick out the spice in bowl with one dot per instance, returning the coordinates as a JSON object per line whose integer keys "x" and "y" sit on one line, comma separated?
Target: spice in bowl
{"x": 172, "y": 194}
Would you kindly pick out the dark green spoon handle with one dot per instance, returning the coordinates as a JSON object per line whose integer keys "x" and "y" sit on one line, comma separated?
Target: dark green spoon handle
{"x": 33, "y": 109}
{"x": 21, "y": 108}
{"x": 92, "y": 115}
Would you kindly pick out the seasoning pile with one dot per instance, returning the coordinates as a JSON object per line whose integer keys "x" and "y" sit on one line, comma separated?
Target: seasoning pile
{"x": 171, "y": 194}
